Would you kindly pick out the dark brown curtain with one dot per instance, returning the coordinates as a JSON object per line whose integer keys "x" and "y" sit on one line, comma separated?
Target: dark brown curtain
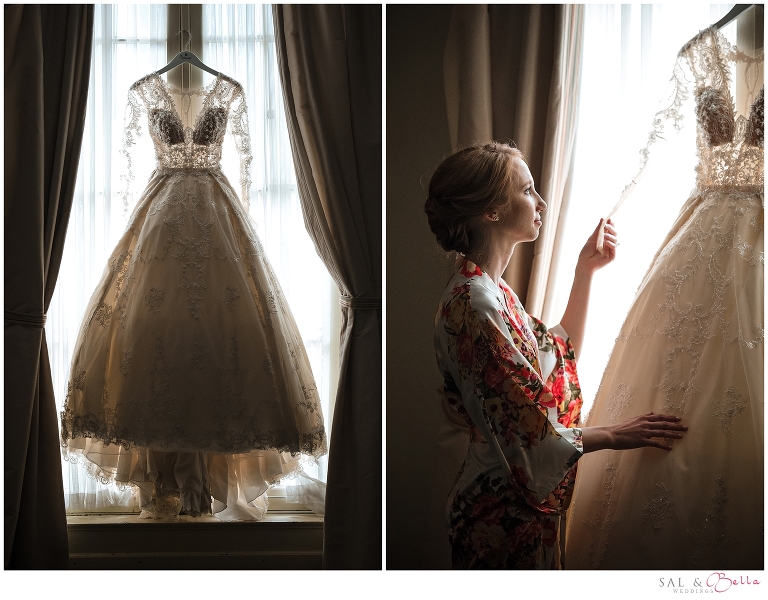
{"x": 47, "y": 65}
{"x": 511, "y": 73}
{"x": 330, "y": 68}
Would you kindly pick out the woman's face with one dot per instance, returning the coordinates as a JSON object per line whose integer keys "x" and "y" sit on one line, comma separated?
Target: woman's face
{"x": 521, "y": 216}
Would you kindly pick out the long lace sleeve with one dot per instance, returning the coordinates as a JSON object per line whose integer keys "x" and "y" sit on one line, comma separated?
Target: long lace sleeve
{"x": 703, "y": 74}
{"x": 238, "y": 127}
{"x": 131, "y": 134}
{"x": 669, "y": 111}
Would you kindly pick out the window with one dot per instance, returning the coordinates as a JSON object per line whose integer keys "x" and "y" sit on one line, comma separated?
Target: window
{"x": 129, "y": 42}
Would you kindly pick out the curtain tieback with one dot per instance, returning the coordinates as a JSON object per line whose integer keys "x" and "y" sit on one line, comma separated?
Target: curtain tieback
{"x": 361, "y": 302}
{"x": 14, "y": 318}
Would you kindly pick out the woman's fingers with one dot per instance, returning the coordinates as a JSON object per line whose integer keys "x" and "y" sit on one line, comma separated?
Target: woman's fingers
{"x": 661, "y": 424}
{"x": 593, "y": 238}
{"x": 599, "y": 225}
{"x": 649, "y": 430}
{"x": 666, "y": 433}
{"x": 661, "y": 417}
{"x": 661, "y": 445}
{"x": 671, "y": 426}
{"x": 676, "y": 425}
{"x": 594, "y": 257}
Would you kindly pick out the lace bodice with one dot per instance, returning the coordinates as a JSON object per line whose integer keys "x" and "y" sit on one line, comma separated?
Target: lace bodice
{"x": 729, "y": 142}
{"x": 729, "y": 138}
{"x": 180, "y": 142}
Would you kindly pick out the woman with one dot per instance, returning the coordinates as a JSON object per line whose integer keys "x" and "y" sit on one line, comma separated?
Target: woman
{"x": 511, "y": 379}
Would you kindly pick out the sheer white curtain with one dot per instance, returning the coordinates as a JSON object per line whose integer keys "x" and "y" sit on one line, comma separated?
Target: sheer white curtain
{"x": 238, "y": 40}
{"x": 629, "y": 53}
{"x": 129, "y": 42}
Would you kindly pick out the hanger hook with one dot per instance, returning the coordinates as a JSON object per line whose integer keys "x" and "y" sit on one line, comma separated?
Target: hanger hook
{"x": 189, "y": 41}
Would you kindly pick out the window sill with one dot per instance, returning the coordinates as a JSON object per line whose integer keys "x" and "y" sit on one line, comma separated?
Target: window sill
{"x": 282, "y": 540}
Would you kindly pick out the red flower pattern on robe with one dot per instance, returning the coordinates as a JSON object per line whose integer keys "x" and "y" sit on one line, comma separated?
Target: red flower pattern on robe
{"x": 500, "y": 522}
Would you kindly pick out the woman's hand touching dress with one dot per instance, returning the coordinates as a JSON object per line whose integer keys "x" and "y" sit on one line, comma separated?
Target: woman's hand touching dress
{"x": 637, "y": 432}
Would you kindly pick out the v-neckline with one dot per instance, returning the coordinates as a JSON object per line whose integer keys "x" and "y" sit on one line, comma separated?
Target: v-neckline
{"x": 731, "y": 59}
{"x": 204, "y": 91}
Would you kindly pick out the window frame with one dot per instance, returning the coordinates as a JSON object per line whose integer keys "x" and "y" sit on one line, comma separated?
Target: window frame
{"x": 190, "y": 17}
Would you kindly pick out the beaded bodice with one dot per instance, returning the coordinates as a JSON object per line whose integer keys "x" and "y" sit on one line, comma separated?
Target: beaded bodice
{"x": 729, "y": 140}
{"x": 729, "y": 135}
{"x": 188, "y": 128}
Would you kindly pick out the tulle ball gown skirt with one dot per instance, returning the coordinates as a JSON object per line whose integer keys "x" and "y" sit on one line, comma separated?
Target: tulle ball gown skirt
{"x": 189, "y": 377}
{"x": 692, "y": 345}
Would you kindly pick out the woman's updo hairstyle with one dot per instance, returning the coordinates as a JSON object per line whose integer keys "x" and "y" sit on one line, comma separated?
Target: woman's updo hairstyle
{"x": 471, "y": 183}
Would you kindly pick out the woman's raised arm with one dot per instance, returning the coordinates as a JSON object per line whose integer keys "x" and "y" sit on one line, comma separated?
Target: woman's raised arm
{"x": 590, "y": 260}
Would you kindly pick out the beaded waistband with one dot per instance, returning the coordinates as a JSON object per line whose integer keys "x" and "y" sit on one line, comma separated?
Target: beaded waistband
{"x": 173, "y": 170}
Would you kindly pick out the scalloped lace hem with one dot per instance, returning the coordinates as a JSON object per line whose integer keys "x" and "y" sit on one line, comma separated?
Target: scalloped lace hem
{"x": 92, "y": 427}
{"x": 238, "y": 504}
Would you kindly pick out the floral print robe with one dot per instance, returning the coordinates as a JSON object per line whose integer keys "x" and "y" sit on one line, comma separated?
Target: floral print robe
{"x": 514, "y": 383}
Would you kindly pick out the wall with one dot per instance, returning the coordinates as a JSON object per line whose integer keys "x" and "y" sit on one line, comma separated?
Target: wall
{"x": 416, "y": 272}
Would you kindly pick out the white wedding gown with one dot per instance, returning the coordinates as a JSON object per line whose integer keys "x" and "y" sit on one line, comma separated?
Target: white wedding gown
{"x": 189, "y": 378}
{"x": 692, "y": 345}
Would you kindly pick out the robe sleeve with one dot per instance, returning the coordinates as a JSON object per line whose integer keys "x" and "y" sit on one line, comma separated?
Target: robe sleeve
{"x": 508, "y": 402}
{"x": 558, "y": 367}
